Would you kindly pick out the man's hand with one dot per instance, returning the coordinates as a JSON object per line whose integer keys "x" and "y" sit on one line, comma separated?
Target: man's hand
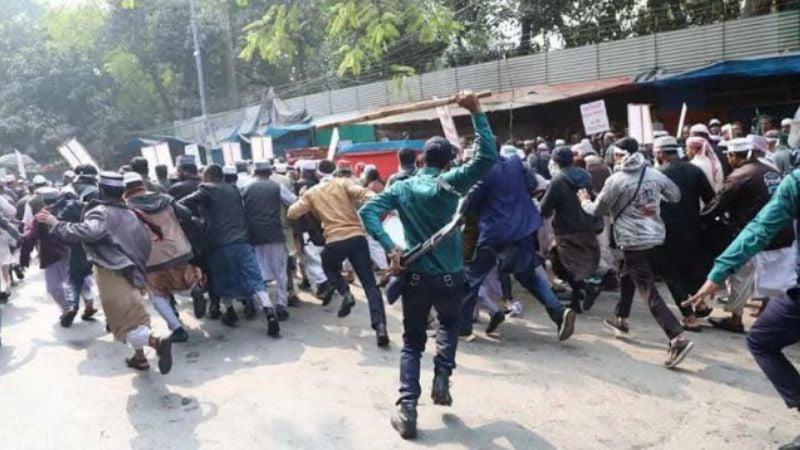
{"x": 708, "y": 289}
{"x": 583, "y": 195}
{"x": 469, "y": 101}
{"x": 46, "y": 218}
{"x": 395, "y": 266}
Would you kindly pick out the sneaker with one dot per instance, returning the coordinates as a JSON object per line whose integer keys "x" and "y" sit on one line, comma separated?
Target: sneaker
{"x": 678, "y": 349}
{"x": 327, "y": 296}
{"x": 273, "y": 326}
{"x": 249, "y": 310}
{"x": 404, "y": 420}
{"x": 381, "y": 335}
{"x": 495, "y": 321}
{"x": 590, "y": 294}
{"x": 179, "y": 335}
{"x": 282, "y": 313}
{"x": 617, "y": 325}
{"x": 347, "y": 304}
{"x": 440, "y": 392}
{"x": 516, "y": 309}
{"x": 199, "y": 302}
{"x": 230, "y": 318}
{"x": 68, "y": 317}
{"x": 567, "y": 325}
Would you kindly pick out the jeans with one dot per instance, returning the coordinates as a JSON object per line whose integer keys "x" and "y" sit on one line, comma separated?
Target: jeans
{"x": 777, "y": 327}
{"x": 75, "y": 286}
{"x": 636, "y": 272}
{"x": 522, "y": 265}
{"x": 444, "y": 293}
{"x": 356, "y": 251}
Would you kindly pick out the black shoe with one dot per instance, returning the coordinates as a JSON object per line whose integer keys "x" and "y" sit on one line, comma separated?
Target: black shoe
{"x": 214, "y": 311}
{"x": 273, "y": 326}
{"x": 404, "y": 420}
{"x": 327, "y": 296}
{"x": 495, "y": 321}
{"x": 230, "y": 318}
{"x": 293, "y": 301}
{"x": 323, "y": 290}
{"x": 282, "y": 313}
{"x": 4, "y": 296}
{"x": 616, "y": 325}
{"x": 179, "y": 335}
{"x": 590, "y": 294}
{"x": 382, "y": 335}
{"x": 199, "y": 302}
{"x": 88, "y": 313}
{"x": 304, "y": 285}
{"x": 249, "y": 310}
{"x": 678, "y": 349}
{"x": 440, "y": 393}
{"x": 575, "y": 302}
{"x": 347, "y": 304}
{"x": 164, "y": 352}
{"x": 68, "y": 317}
{"x": 567, "y": 325}
{"x": 19, "y": 272}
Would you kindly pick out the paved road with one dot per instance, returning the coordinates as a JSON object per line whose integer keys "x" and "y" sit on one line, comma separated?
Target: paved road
{"x": 326, "y": 385}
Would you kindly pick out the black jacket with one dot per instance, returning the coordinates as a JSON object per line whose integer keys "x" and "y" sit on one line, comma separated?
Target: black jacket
{"x": 682, "y": 219}
{"x": 184, "y": 187}
{"x": 262, "y": 210}
{"x": 561, "y": 199}
{"x": 221, "y": 207}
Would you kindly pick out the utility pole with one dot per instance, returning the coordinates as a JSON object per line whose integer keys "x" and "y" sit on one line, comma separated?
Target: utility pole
{"x": 198, "y": 59}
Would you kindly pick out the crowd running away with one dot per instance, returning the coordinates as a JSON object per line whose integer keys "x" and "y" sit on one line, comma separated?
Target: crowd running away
{"x": 709, "y": 213}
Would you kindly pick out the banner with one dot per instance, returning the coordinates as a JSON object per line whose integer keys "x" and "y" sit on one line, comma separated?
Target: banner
{"x": 334, "y": 144}
{"x": 681, "y": 122}
{"x": 262, "y": 148}
{"x": 231, "y": 152}
{"x": 640, "y": 125}
{"x": 75, "y": 154}
{"x": 194, "y": 150}
{"x": 448, "y": 126}
{"x": 595, "y": 117}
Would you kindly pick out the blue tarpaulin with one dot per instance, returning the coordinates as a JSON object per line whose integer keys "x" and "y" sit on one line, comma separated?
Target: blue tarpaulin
{"x": 774, "y": 66}
{"x": 381, "y": 146}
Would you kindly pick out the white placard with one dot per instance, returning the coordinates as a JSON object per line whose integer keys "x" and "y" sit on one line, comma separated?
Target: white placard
{"x": 640, "y": 126}
{"x": 679, "y": 133}
{"x": 448, "y": 126}
{"x": 262, "y": 148}
{"x": 334, "y": 146}
{"x": 75, "y": 154}
{"x": 156, "y": 155}
{"x": 194, "y": 150}
{"x": 231, "y": 152}
{"x": 595, "y": 117}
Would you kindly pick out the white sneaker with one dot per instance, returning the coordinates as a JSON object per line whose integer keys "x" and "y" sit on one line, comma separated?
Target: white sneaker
{"x": 516, "y": 309}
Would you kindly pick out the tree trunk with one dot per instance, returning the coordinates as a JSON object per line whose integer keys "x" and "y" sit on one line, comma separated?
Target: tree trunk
{"x": 231, "y": 87}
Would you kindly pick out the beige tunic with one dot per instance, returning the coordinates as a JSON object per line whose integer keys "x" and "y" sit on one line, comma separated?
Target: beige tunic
{"x": 123, "y": 304}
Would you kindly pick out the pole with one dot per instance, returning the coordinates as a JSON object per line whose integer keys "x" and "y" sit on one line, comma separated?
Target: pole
{"x": 198, "y": 60}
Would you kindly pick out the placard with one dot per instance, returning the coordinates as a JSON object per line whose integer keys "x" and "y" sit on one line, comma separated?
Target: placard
{"x": 157, "y": 155}
{"x": 262, "y": 148}
{"x": 75, "y": 154}
{"x": 640, "y": 125}
{"x": 448, "y": 126}
{"x": 231, "y": 152}
{"x": 595, "y": 117}
{"x": 334, "y": 144}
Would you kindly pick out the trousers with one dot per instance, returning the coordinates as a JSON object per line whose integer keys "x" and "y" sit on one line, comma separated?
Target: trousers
{"x": 355, "y": 250}
{"x": 272, "y": 259}
{"x": 777, "y": 327}
{"x": 421, "y": 293}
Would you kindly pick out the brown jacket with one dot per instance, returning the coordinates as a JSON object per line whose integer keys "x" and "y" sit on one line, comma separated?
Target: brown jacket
{"x": 334, "y": 203}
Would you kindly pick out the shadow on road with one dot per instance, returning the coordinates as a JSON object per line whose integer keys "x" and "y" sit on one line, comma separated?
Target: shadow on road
{"x": 489, "y": 436}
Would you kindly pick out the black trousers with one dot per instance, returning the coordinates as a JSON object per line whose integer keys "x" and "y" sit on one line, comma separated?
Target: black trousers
{"x": 355, "y": 250}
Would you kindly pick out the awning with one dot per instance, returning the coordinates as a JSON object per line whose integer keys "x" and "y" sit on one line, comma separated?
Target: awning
{"x": 381, "y": 146}
{"x": 522, "y": 97}
{"x": 770, "y": 66}
{"x": 279, "y": 131}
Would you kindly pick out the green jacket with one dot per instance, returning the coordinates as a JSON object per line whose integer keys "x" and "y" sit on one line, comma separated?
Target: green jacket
{"x": 782, "y": 209}
{"x": 425, "y": 206}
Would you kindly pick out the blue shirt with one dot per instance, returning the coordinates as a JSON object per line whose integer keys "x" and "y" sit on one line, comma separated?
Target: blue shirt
{"x": 503, "y": 200}
{"x": 425, "y": 206}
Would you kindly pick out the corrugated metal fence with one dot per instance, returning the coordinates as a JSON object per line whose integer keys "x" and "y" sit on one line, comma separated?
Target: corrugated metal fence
{"x": 672, "y": 51}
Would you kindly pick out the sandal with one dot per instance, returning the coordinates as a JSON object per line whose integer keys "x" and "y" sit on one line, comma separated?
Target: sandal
{"x": 727, "y": 325}
{"x": 137, "y": 364}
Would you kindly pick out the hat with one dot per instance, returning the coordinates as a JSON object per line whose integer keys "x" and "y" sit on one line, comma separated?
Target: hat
{"x": 740, "y": 145}
{"x": 281, "y": 168}
{"x": 262, "y": 166}
{"x": 659, "y": 133}
{"x": 699, "y": 128}
{"x": 563, "y": 156}
{"x": 39, "y": 180}
{"x": 586, "y": 147}
{"x": 560, "y": 142}
{"x": 48, "y": 194}
{"x": 714, "y": 122}
{"x": 509, "y": 151}
{"x": 69, "y": 174}
{"x": 132, "y": 180}
{"x": 229, "y": 169}
{"x": 368, "y": 167}
{"x": 543, "y": 147}
{"x": 111, "y": 179}
{"x": 628, "y": 144}
{"x": 772, "y": 135}
{"x": 185, "y": 161}
{"x": 438, "y": 148}
{"x": 786, "y": 122}
{"x": 86, "y": 179}
{"x": 759, "y": 142}
{"x": 666, "y": 144}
